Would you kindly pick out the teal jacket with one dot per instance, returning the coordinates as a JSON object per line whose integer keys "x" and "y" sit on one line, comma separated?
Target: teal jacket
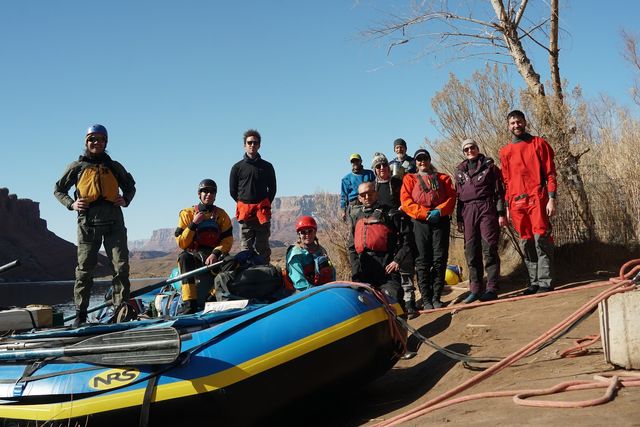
{"x": 301, "y": 266}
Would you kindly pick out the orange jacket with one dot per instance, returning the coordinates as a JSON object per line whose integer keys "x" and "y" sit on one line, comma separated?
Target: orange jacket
{"x": 249, "y": 211}
{"x": 420, "y": 212}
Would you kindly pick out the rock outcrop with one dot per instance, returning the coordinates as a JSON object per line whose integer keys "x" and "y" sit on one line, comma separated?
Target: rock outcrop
{"x": 162, "y": 240}
{"x": 24, "y": 236}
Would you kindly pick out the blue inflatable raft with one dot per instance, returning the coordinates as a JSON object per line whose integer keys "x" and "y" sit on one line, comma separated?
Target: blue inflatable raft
{"x": 235, "y": 367}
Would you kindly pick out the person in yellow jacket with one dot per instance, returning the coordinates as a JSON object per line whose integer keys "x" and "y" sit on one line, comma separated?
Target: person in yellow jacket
{"x": 205, "y": 235}
{"x": 98, "y": 180}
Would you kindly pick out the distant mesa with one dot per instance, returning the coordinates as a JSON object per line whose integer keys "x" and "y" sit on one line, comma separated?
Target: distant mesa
{"x": 43, "y": 255}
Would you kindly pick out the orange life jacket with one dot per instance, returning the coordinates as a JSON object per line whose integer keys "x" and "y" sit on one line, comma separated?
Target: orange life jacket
{"x": 429, "y": 192}
{"x": 372, "y": 234}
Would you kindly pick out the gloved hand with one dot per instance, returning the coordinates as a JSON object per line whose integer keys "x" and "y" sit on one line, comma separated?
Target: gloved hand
{"x": 434, "y": 215}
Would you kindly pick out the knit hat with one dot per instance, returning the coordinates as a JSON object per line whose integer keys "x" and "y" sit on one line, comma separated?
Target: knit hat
{"x": 378, "y": 158}
{"x": 399, "y": 141}
{"x": 355, "y": 156}
{"x": 420, "y": 152}
{"x": 468, "y": 141}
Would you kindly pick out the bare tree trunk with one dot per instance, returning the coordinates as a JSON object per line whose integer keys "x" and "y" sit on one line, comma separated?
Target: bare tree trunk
{"x": 554, "y": 53}
{"x": 509, "y": 30}
{"x": 567, "y": 167}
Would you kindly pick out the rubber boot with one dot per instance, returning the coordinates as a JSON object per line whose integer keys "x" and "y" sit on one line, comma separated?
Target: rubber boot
{"x": 412, "y": 311}
{"x": 81, "y": 317}
{"x": 426, "y": 304}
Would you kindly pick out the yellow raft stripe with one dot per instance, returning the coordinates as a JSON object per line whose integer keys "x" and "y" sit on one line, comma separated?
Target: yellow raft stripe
{"x": 109, "y": 402}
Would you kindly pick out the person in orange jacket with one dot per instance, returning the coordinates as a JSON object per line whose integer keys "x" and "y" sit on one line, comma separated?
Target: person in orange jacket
{"x": 529, "y": 174}
{"x": 429, "y": 198}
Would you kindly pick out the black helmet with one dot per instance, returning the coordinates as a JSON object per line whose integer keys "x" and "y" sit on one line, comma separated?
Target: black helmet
{"x": 208, "y": 183}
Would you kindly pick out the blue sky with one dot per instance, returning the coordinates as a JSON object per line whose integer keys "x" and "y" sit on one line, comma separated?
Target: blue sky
{"x": 177, "y": 83}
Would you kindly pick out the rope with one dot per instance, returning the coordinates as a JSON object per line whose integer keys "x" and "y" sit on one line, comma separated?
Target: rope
{"x": 398, "y": 334}
{"x": 580, "y": 349}
{"x": 620, "y": 284}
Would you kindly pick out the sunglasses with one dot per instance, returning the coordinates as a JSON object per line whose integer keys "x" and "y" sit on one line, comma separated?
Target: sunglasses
{"x": 97, "y": 139}
{"x": 208, "y": 191}
{"x": 469, "y": 148}
{"x": 306, "y": 231}
{"x": 366, "y": 194}
{"x": 422, "y": 159}
{"x": 253, "y": 142}
{"x": 382, "y": 165}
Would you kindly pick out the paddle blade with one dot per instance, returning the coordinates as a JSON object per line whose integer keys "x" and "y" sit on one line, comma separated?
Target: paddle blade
{"x": 129, "y": 348}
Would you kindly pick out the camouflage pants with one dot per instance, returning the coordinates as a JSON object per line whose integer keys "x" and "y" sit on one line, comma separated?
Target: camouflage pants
{"x": 255, "y": 236}
{"x": 90, "y": 239}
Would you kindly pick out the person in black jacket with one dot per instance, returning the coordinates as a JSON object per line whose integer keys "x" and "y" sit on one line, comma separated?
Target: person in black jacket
{"x": 388, "y": 188}
{"x": 378, "y": 243}
{"x": 98, "y": 180}
{"x": 252, "y": 184}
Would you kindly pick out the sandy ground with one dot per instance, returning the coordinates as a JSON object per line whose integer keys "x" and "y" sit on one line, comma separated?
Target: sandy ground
{"x": 495, "y": 330}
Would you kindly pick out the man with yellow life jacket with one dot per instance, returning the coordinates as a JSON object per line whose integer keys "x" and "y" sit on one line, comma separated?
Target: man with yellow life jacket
{"x": 429, "y": 198}
{"x": 98, "y": 180}
{"x": 204, "y": 233}
{"x": 307, "y": 262}
{"x": 378, "y": 243}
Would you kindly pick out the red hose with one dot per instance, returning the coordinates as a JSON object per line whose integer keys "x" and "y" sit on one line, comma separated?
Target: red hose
{"x": 438, "y": 402}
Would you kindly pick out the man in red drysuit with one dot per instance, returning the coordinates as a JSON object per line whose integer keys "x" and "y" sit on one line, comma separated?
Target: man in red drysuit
{"x": 530, "y": 179}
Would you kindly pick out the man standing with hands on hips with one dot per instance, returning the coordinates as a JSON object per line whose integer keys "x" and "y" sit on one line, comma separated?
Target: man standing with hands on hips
{"x": 529, "y": 176}
{"x": 98, "y": 202}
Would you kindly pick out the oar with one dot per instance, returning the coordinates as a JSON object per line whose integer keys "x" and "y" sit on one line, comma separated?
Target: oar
{"x": 123, "y": 348}
{"x": 9, "y": 266}
{"x": 153, "y": 286}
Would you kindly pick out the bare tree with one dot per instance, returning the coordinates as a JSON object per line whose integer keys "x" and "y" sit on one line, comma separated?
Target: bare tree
{"x": 632, "y": 55}
{"x": 505, "y": 30}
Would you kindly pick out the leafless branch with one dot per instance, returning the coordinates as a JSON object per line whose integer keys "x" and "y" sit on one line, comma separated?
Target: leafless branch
{"x": 583, "y": 153}
{"x": 520, "y": 13}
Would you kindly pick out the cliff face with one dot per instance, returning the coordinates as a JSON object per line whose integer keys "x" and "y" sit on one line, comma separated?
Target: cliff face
{"x": 24, "y": 236}
{"x": 162, "y": 240}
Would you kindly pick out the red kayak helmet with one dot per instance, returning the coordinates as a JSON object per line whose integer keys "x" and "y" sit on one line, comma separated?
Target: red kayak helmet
{"x": 305, "y": 222}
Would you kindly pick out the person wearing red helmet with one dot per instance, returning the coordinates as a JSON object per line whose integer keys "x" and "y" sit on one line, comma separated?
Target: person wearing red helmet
{"x": 97, "y": 200}
{"x": 307, "y": 262}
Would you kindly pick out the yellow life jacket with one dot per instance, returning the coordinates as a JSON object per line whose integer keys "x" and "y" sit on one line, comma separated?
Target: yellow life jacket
{"x": 97, "y": 181}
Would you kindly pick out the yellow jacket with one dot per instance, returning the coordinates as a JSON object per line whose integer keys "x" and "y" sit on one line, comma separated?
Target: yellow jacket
{"x": 187, "y": 232}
